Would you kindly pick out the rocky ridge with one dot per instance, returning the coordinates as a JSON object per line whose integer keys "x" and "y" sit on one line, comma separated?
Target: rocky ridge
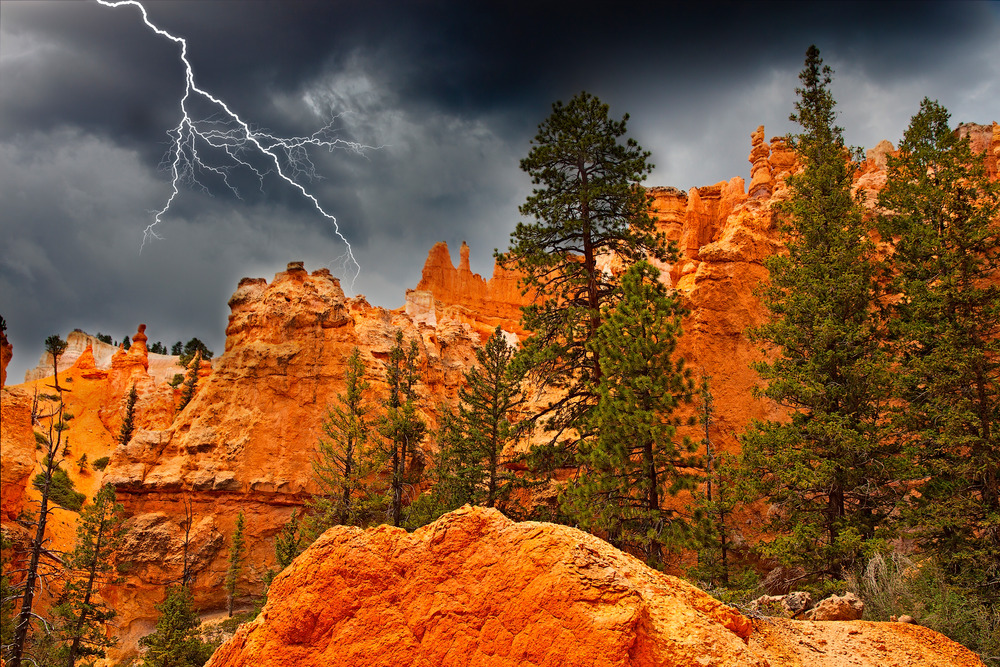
{"x": 475, "y": 588}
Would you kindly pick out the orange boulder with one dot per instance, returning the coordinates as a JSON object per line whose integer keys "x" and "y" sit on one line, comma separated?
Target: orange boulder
{"x": 475, "y": 588}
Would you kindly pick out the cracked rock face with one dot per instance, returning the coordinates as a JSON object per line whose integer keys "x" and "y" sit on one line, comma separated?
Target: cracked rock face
{"x": 475, "y": 588}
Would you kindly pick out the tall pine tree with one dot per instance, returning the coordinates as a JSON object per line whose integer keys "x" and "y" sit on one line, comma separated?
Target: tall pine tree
{"x": 401, "y": 427}
{"x": 829, "y": 469}
{"x": 942, "y": 214}
{"x": 589, "y": 205}
{"x": 347, "y": 464}
{"x": 632, "y": 463}
{"x": 81, "y": 614}
{"x": 475, "y": 441}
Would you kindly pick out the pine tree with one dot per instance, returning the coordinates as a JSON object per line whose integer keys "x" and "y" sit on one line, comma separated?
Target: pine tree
{"x": 56, "y": 451}
{"x": 81, "y": 615}
{"x": 128, "y": 421}
{"x": 401, "y": 426}
{"x": 829, "y": 471}
{"x": 590, "y": 205}
{"x": 347, "y": 464}
{"x": 633, "y": 463}
{"x": 190, "y": 382}
{"x": 470, "y": 466}
{"x": 175, "y": 643}
{"x": 942, "y": 214}
{"x": 237, "y": 552}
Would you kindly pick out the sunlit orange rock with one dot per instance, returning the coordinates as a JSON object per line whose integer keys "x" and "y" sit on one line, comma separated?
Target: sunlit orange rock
{"x": 475, "y": 588}
{"x": 484, "y": 304}
{"x": 17, "y": 455}
{"x": 247, "y": 439}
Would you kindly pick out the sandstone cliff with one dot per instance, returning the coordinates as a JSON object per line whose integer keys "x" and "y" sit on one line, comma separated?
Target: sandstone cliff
{"x": 247, "y": 439}
{"x": 475, "y": 588}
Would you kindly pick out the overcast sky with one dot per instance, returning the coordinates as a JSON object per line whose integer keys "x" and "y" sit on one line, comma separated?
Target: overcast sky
{"x": 450, "y": 92}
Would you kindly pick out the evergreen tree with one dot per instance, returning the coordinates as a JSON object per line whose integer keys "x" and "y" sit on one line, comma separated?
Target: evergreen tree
{"x": 175, "y": 643}
{"x": 470, "y": 466}
{"x": 288, "y": 543}
{"x": 177, "y": 349}
{"x": 347, "y": 464}
{"x": 713, "y": 517}
{"x": 942, "y": 214}
{"x": 81, "y": 615}
{"x": 829, "y": 471}
{"x": 633, "y": 463}
{"x": 401, "y": 426}
{"x": 589, "y": 205}
{"x": 56, "y": 451}
{"x": 193, "y": 347}
{"x": 190, "y": 381}
{"x": 237, "y": 552}
{"x": 128, "y": 421}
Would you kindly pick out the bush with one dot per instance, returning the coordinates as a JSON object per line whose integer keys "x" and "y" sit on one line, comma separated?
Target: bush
{"x": 102, "y": 463}
{"x": 61, "y": 490}
{"x": 896, "y": 585}
{"x": 177, "y": 379}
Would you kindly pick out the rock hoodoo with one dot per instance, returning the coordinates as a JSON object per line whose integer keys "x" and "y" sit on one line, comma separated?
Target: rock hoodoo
{"x": 475, "y": 588}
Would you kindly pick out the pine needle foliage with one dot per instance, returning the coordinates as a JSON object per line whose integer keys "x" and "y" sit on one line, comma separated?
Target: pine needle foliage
{"x": 475, "y": 441}
{"x": 128, "y": 420}
{"x": 942, "y": 215}
{"x": 348, "y": 464}
{"x": 402, "y": 429}
{"x": 81, "y": 616}
{"x": 190, "y": 385}
{"x": 589, "y": 203}
{"x": 633, "y": 463}
{"x": 829, "y": 471}
{"x": 175, "y": 642}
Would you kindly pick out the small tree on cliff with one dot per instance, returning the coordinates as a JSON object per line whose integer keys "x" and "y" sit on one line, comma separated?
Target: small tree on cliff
{"x": 56, "y": 451}
{"x": 237, "y": 553}
{"x": 176, "y": 642}
{"x": 82, "y": 617}
{"x": 590, "y": 204}
{"x": 347, "y": 464}
{"x": 633, "y": 463}
{"x": 128, "y": 420}
{"x": 830, "y": 469}
{"x": 942, "y": 214}
{"x": 401, "y": 426}
{"x": 190, "y": 385}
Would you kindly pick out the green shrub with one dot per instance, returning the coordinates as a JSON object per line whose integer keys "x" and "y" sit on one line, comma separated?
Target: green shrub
{"x": 61, "y": 490}
{"x": 68, "y": 416}
{"x": 896, "y": 585}
{"x": 177, "y": 379}
{"x": 102, "y": 463}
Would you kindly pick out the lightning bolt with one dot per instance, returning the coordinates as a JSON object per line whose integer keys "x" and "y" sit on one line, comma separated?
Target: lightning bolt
{"x": 288, "y": 157}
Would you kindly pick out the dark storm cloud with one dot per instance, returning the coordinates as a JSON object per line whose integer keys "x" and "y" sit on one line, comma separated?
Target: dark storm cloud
{"x": 451, "y": 92}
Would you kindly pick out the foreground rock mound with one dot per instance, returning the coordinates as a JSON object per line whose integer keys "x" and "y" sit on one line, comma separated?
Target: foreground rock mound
{"x": 474, "y": 588}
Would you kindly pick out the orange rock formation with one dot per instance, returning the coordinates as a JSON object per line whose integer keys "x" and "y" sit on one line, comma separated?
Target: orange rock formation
{"x": 467, "y": 296}
{"x": 475, "y": 588}
{"x": 247, "y": 439}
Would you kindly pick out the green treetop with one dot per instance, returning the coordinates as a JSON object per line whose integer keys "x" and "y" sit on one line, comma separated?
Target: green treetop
{"x": 589, "y": 204}
{"x": 942, "y": 215}
{"x": 829, "y": 470}
{"x": 632, "y": 463}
